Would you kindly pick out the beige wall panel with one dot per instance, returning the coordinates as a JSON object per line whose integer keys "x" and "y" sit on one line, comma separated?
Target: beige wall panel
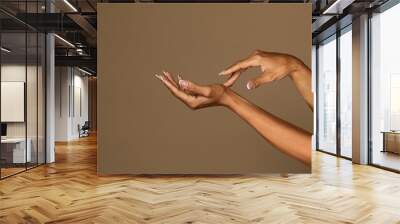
{"x": 142, "y": 129}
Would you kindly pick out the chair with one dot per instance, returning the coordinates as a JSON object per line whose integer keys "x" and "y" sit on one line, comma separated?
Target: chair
{"x": 84, "y": 130}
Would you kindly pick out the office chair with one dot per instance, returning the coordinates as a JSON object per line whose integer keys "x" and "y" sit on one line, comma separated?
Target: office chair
{"x": 84, "y": 130}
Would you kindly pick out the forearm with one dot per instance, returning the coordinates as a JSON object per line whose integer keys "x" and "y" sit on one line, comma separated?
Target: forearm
{"x": 288, "y": 138}
{"x": 301, "y": 76}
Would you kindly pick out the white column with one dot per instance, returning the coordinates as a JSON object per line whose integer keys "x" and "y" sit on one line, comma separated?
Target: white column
{"x": 360, "y": 90}
{"x": 50, "y": 99}
{"x": 50, "y": 92}
{"x": 63, "y": 99}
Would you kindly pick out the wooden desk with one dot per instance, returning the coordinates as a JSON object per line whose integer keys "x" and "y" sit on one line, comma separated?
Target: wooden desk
{"x": 391, "y": 141}
{"x": 13, "y": 150}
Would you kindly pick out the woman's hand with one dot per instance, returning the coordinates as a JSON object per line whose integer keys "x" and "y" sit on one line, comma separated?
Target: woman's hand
{"x": 273, "y": 129}
{"x": 197, "y": 96}
{"x": 274, "y": 66}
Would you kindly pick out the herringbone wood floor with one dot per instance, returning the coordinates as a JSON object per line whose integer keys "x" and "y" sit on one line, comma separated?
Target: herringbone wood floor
{"x": 69, "y": 191}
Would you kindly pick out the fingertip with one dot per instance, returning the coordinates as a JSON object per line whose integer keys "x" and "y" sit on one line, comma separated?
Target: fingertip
{"x": 158, "y": 76}
{"x": 167, "y": 73}
{"x": 226, "y": 72}
{"x": 228, "y": 84}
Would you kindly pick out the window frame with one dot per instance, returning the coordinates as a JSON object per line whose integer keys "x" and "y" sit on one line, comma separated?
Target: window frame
{"x": 336, "y": 35}
{"x": 378, "y": 10}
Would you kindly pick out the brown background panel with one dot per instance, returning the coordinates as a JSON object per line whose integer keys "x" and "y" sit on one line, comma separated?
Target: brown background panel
{"x": 143, "y": 129}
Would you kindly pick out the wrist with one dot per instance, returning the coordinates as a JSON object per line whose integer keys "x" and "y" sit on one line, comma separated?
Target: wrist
{"x": 226, "y": 98}
{"x": 297, "y": 67}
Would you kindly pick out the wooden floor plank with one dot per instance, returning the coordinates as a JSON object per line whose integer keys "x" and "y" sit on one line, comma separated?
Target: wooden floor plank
{"x": 69, "y": 191}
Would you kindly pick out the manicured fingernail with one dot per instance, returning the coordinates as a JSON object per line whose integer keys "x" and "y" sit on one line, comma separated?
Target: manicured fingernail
{"x": 221, "y": 73}
{"x": 250, "y": 85}
{"x": 183, "y": 83}
{"x": 159, "y": 77}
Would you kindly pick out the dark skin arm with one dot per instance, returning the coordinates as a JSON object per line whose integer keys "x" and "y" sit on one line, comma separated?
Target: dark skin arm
{"x": 275, "y": 66}
{"x": 273, "y": 129}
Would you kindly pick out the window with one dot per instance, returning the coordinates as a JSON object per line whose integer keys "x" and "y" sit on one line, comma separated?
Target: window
{"x": 345, "y": 92}
{"x": 394, "y": 102}
{"x": 385, "y": 89}
{"x": 327, "y": 95}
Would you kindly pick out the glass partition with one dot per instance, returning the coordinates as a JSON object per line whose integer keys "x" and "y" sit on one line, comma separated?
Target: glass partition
{"x": 22, "y": 88}
{"x": 31, "y": 99}
{"x": 41, "y": 91}
{"x": 13, "y": 94}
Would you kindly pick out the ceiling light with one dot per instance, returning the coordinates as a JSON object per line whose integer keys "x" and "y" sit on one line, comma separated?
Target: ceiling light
{"x": 79, "y": 51}
{"x": 5, "y": 50}
{"x": 337, "y": 7}
{"x": 70, "y": 5}
{"x": 84, "y": 71}
{"x": 65, "y": 41}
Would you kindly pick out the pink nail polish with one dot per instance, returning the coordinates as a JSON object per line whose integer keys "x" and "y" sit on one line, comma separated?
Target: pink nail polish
{"x": 160, "y": 77}
{"x": 250, "y": 85}
{"x": 184, "y": 84}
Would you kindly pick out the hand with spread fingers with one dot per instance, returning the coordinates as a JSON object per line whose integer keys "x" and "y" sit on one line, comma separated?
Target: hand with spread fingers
{"x": 274, "y": 66}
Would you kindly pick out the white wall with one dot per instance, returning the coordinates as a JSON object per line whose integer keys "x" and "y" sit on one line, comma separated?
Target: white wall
{"x": 16, "y": 73}
{"x": 79, "y": 117}
{"x": 70, "y": 83}
{"x": 62, "y": 81}
{"x": 33, "y": 127}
